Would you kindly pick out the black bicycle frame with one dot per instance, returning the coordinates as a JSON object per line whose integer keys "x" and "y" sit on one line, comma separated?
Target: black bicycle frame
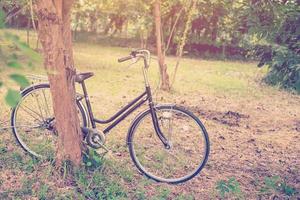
{"x": 125, "y": 111}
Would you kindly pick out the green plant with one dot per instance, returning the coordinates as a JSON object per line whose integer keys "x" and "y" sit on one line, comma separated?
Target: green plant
{"x": 276, "y": 184}
{"x": 92, "y": 159}
{"x": 3, "y": 150}
{"x": 288, "y": 190}
{"x": 13, "y": 53}
{"x": 30, "y": 165}
{"x": 42, "y": 193}
{"x": 229, "y": 187}
{"x": 67, "y": 169}
{"x": 114, "y": 191}
{"x": 270, "y": 183}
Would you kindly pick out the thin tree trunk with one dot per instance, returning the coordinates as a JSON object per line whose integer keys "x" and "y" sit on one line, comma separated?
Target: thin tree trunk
{"x": 126, "y": 30}
{"x": 172, "y": 32}
{"x": 32, "y": 15}
{"x": 184, "y": 39}
{"x": 30, "y": 3}
{"x": 165, "y": 84}
{"x": 27, "y": 32}
{"x": 142, "y": 39}
{"x": 56, "y": 38}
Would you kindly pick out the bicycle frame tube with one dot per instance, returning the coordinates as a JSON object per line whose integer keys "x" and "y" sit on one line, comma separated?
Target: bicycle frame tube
{"x": 126, "y": 113}
{"x": 155, "y": 120}
{"x": 121, "y": 111}
{"x": 119, "y": 116}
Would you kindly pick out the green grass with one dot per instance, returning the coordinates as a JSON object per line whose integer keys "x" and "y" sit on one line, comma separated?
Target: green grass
{"x": 115, "y": 84}
{"x": 220, "y": 77}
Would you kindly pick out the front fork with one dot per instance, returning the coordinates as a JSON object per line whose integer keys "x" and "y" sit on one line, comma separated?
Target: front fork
{"x": 157, "y": 129}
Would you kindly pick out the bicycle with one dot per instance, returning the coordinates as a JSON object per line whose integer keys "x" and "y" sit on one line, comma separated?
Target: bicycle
{"x": 167, "y": 143}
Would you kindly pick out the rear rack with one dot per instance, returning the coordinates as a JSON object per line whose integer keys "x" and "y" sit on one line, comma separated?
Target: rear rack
{"x": 33, "y": 78}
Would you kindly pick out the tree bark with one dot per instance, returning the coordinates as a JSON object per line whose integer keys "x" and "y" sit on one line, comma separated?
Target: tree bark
{"x": 56, "y": 38}
{"x": 165, "y": 83}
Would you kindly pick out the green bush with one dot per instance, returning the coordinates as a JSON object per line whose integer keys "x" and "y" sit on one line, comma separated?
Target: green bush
{"x": 284, "y": 67}
{"x": 283, "y": 55}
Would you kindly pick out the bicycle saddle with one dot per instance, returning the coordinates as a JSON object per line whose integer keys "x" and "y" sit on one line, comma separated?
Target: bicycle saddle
{"x": 83, "y": 76}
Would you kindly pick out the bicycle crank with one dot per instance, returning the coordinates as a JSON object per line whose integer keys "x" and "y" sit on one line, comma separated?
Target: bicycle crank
{"x": 96, "y": 139}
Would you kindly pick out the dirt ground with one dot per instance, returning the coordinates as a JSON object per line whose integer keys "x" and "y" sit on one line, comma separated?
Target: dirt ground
{"x": 250, "y": 139}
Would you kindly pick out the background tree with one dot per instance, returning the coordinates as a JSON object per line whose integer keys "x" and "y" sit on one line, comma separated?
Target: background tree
{"x": 165, "y": 84}
{"x": 183, "y": 40}
{"x": 55, "y": 36}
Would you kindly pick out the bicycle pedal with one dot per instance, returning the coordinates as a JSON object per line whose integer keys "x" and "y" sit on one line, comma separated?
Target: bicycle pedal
{"x": 104, "y": 147}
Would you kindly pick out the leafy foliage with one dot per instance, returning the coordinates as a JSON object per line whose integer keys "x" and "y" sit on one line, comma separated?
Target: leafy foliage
{"x": 282, "y": 34}
{"x": 92, "y": 159}
{"x": 12, "y": 97}
{"x": 229, "y": 187}
{"x": 275, "y": 184}
{"x": 13, "y": 53}
{"x": 284, "y": 67}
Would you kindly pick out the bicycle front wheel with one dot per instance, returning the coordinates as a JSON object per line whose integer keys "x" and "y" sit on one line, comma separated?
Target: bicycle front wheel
{"x": 186, "y": 135}
{"x": 33, "y": 121}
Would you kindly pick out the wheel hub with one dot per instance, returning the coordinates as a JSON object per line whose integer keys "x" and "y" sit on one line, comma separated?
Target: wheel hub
{"x": 48, "y": 124}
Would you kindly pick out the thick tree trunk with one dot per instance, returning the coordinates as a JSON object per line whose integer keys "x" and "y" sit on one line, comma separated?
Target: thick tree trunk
{"x": 165, "y": 83}
{"x": 56, "y": 38}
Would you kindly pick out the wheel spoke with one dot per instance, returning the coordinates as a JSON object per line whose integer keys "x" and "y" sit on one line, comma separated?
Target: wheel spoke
{"x": 46, "y": 104}
{"x": 32, "y": 114}
{"x": 28, "y": 126}
{"x": 39, "y": 106}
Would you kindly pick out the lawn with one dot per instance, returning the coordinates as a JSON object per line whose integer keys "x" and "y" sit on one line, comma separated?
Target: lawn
{"x": 254, "y": 132}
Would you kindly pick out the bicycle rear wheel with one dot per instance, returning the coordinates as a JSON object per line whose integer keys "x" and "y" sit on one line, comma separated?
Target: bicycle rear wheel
{"x": 186, "y": 135}
{"x": 32, "y": 121}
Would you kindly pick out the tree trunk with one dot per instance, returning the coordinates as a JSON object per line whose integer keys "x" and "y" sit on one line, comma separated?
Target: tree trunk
{"x": 165, "y": 84}
{"x": 183, "y": 41}
{"x": 56, "y": 38}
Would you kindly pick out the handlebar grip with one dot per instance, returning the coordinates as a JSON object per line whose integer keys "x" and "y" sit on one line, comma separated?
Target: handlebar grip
{"x": 125, "y": 58}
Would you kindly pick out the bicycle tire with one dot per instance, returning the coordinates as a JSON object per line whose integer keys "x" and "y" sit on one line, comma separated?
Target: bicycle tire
{"x": 141, "y": 168}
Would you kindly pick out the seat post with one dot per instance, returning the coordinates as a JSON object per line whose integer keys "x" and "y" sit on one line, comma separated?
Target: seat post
{"x": 84, "y": 89}
{"x": 88, "y": 104}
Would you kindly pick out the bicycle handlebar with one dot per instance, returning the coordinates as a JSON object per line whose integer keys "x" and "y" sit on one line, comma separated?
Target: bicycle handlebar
{"x": 140, "y": 53}
{"x": 125, "y": 58}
